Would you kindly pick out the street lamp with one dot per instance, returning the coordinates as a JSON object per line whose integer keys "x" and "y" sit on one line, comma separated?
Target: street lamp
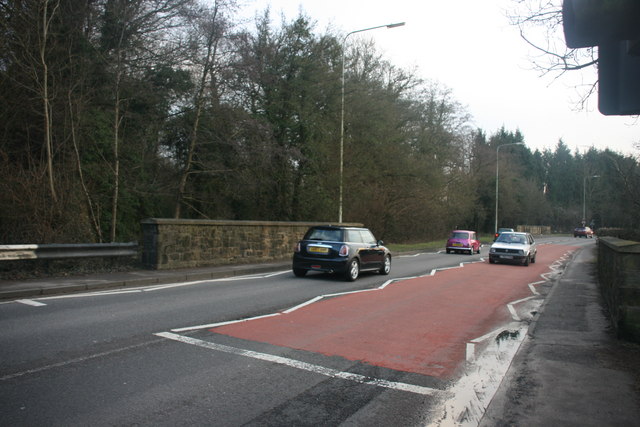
{"x": 398, "y": 24}
{"x": 497, "y": 176}
{"x": 584, "y": 198}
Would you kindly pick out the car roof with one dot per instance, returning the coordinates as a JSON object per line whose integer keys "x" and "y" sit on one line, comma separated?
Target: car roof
{"x": 463, "y": 231}
{"x": 339, "y": 227}
{"x": 515, "y": 232}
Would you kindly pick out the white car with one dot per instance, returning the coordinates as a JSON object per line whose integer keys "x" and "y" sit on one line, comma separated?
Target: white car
{"x": 514, "y": 248}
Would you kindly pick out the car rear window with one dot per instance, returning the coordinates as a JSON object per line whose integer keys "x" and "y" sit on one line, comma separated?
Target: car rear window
{"x": 332, "y": 235}
{"x": 459, "y": 235}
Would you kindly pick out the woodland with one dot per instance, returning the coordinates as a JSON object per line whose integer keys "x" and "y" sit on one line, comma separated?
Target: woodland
{"x": 113, "y": 111}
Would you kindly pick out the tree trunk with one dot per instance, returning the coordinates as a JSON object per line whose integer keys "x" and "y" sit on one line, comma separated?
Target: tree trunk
{"x": 46, "y": 102}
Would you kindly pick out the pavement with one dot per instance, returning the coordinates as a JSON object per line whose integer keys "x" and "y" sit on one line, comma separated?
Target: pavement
{"x": 570, "y": 370}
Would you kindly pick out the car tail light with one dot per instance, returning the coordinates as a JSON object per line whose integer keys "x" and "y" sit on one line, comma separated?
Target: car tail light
{"x": 344, "y": 250}
{"x": 297, "y": 248}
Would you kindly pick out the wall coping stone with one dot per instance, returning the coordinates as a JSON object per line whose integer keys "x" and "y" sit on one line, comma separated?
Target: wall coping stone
{"x": 620, "y": 245}
{"x": 209, "y": 222}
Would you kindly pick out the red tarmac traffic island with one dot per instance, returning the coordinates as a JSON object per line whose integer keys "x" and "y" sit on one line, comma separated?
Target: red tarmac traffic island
{"x": 418, "y": 325}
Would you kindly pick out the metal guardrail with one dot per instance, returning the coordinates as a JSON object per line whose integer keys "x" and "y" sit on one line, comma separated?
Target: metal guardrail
{"x": 71, "y": 250}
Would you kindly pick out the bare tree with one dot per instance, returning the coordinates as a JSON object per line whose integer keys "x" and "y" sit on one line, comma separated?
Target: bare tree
{"x": 541, "y": 27}
{"x": 210, "y": 28}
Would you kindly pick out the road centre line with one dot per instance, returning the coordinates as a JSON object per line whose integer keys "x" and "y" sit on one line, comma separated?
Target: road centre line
{"x": 74, "y": 361}
{"x": 297, "y": 364}
{"x": 139, "y": 289}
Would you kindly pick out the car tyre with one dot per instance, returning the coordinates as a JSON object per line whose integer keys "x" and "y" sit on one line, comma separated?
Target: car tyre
{"x": 533, "y": 259}
{"x": 526, "y": 261}
{"x": 353, "y": 270}
{"x": 299, "y": 272}
{"x": 492, "y": 261}
{"x": 386, "y": 267}
{"x": 448, "y": 251}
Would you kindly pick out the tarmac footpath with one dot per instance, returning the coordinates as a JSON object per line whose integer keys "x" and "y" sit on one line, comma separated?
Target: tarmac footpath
{"x": 571, "y": 370}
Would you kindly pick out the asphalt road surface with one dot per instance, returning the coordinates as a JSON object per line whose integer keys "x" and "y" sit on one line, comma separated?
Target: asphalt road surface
{"x": 412, "y": 348}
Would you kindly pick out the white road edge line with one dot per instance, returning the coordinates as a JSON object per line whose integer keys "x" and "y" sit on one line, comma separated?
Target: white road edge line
{"x": 297, "y": 364}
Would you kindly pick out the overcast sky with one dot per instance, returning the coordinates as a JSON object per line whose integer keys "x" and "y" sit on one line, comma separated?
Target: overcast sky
{"x": 469, "y": 47}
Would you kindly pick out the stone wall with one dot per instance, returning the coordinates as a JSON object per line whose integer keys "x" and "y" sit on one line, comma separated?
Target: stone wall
{"x": 619, "y": 277}
{"x": 181, "y": 243}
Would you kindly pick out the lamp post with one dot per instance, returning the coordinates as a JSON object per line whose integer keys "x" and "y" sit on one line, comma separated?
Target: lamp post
{"x": 497, "y": 176}
{"x": 344, "y": 40}
{"x": 584, "y": 198}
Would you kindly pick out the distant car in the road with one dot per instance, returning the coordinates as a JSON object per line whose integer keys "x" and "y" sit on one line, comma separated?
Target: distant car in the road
{"x": 463, "y": 241}
{"x": 583, "y": 232}
{"x": 513, "y": 247}
{"x": 502, "y": 230}
{"x": 341, "y": 250}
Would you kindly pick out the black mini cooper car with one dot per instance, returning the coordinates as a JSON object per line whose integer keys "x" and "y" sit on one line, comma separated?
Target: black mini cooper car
{"x": 341, "y": 250}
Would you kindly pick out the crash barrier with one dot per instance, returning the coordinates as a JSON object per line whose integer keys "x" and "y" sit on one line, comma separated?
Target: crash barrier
{"x": 534, "y": 229}
{"x": 619, "y": 277}
{"x": 71, "y": 250}
{"x": 180, "y": 243}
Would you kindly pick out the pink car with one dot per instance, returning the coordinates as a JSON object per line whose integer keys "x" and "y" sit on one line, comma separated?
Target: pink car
{"x": 463, "y": 241}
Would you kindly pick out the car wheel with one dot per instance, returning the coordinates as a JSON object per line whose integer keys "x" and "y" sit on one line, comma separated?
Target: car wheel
{"x": 353, "y": 270}
{"x": 448, "y": 251}
{"x": 533, "y": 260}
{"x": 299, "y": 272}
{"x": 492, "y": 261}
{"x": 386, "y": 267}
{"x": 526, "y": 261}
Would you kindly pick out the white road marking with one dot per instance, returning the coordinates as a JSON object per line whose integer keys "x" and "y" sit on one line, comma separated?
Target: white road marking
{"x": 73, "y": 361}
{"x": 30, "y": 302}
{"x": 139, "y": 289}
{"x": 215, "y": 325}
{"x": 297, "y": 364}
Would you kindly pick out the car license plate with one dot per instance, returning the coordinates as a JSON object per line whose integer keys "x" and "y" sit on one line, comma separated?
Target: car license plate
{"x": 457, "y": 244}
{"x": 318, "y": 250}
{"x": 506, "y": 256}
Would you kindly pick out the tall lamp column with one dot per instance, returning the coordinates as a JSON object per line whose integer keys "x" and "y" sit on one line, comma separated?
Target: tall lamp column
{"x": 344, "y": 40}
